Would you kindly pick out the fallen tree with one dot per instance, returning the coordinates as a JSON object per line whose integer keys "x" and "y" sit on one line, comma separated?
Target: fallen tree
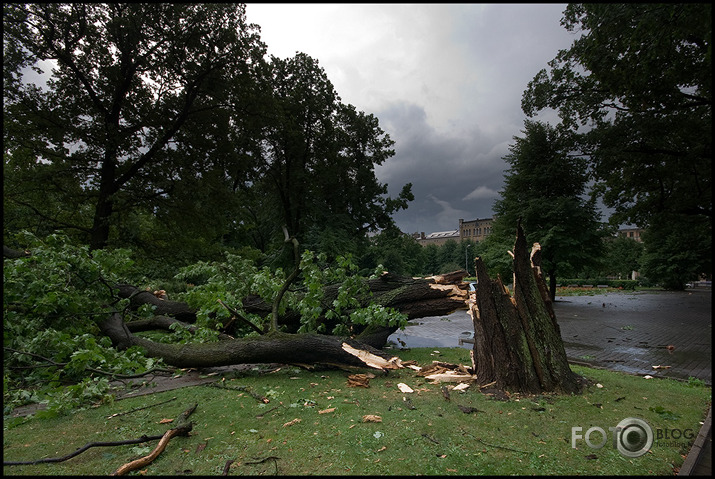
{"x": 415, "y": 297}
{"x": 277, "y": 341}
{"x": 273, "y": 347}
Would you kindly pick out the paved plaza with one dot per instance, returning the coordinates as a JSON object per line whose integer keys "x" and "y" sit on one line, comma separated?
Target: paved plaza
{"x": 630, "y": 332}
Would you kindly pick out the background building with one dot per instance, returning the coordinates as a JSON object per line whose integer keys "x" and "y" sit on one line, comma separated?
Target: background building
{"x": 439, "y": 238}
{"x": 631, "y": 233}
{"x": 475, "y": 230}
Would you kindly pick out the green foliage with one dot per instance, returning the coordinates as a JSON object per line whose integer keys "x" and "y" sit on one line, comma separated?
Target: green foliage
{"x": 230, "y": 281}
{"x": 178, "y": 148}
{"x": 351, "y": 304}
{"x": 677, "y": 250}
{"x": 543, "y": 190}
{"x": 51, "y": 302}
{"x": 398, "y": 253}
{"x": 636, "y": 87}
{"x": 315, "y": 162}
{"x": 236, "y": 278}
{"x": 622, "y": 257}
{"x": 135, "y": 119}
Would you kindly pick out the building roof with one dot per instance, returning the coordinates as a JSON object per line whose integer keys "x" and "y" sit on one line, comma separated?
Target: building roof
{"x": 442, "y": 234}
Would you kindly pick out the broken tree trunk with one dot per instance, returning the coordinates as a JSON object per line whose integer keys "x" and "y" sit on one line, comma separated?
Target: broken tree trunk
{"x": 517, "y": 341}
{"x": 274, "y": 347}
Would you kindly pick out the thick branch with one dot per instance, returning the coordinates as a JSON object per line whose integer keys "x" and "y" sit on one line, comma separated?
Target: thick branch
{"x": 288, "y": 281}
{"x": 182, "y": 429}
{"x": 270, "y": 348}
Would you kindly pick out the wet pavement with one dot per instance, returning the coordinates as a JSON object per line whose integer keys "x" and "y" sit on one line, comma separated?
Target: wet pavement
{"x": 629, "y": 332}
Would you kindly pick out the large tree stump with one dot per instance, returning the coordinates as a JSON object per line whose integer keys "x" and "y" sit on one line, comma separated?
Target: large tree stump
{"x": 517, "y": 341}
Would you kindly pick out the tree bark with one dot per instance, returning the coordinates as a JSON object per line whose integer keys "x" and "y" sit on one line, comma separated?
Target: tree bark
{"x": 138, "y": 297}
{"x": 517, "y": 340}
{"x": 13, "y": 253}
{"x": 275, "y": 347}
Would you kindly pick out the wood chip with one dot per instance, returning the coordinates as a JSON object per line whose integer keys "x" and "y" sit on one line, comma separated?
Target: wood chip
{"x": 405, "y": 388}
{"x": 373, "y": 360}
{"x": 359, "y": 380}
{"x": 326, "y": 411}
{"x": 371, "y": 418}
{"x": 290, "y": 423}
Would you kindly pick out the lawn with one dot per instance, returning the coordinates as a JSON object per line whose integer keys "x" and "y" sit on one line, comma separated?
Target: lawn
{"x": 313, "y": 423}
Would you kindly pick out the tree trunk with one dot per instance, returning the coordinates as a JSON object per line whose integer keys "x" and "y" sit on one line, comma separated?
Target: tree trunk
{"x": 415, "y": 297}
{"x": 275, "y": 347}
{"x": 517, "y": 341}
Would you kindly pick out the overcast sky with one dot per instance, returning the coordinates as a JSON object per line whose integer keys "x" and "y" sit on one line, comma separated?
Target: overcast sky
{"x": 444, "y": 80}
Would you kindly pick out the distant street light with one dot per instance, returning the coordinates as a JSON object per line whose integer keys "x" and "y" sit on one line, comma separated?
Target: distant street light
{"x": 466, "y": 260}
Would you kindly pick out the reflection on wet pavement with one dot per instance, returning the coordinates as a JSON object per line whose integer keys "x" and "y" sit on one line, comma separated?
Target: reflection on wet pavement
{"x": 629, "y": 332}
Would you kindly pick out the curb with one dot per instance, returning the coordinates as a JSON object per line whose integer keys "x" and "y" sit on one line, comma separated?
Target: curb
{"x": 694, "y": 464}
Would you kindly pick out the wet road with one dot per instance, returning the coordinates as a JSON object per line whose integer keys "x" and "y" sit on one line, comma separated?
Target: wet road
{"x": 633, "y": 332}
{"x": 630, "y": 332}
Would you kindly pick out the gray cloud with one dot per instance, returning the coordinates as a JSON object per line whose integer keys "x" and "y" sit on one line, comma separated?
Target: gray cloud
{"x": 445, "y": 82}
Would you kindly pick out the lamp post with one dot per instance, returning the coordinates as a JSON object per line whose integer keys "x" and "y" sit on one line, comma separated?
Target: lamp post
{"x": 466, "y": 260}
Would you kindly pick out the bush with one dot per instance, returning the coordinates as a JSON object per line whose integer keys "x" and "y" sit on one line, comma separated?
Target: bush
{"x": 627, "y": 284}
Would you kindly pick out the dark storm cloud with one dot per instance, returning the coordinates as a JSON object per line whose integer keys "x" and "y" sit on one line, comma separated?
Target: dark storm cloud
{"x": 453, "y": 177}
{"x": 444, "y": 80}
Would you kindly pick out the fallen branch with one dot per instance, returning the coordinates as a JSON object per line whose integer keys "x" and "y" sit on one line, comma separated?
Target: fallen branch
{"x": 247, "y": 389}
{"x": 227, "y": 466}
{"x": 91, "y": 370}
{"x": 182, "y": 429}
{"x": 140, "y": 408}
{"x": 236, "y": 315}
{"x": 291, "y": 277}
{"x": 261, "y": 461}
{"x": 81, "y": 450}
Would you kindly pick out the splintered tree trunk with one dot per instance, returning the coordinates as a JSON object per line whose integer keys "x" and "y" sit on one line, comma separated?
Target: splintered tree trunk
{"x": 517, "y": 341}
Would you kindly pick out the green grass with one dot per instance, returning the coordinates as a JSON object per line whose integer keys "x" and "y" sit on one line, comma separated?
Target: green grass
{"x": 522, "y": 435}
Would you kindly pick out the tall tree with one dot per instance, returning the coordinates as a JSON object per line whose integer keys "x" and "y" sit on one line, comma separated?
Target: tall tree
{"x": 545, "y": 188}
{"x": 318, "y": 155}
{"x": 623, "y": 256}
{"x": 105, "y": 135}
{"x": 638, "y": 82}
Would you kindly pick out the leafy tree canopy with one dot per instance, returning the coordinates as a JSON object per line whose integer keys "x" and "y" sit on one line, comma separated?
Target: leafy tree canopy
{"x": 544, "y": 189}
{"x": 126, "y": 80}
{"x": 164, "y": 127}
{"x": 639, "y": 79}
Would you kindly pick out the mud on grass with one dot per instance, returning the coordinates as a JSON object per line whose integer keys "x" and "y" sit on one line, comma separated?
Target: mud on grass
{"x": 313, "y": 424}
